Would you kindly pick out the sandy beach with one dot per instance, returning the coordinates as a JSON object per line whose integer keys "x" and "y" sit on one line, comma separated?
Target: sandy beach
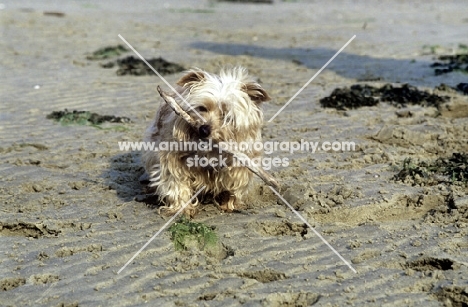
{"x": 71, "y": 214}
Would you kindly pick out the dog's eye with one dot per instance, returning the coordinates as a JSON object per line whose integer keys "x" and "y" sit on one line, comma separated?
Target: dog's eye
{"x": 201, "y": 109}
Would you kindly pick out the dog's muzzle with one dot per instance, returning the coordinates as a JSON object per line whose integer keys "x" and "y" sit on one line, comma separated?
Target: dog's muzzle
{"x": 204, "y": 131}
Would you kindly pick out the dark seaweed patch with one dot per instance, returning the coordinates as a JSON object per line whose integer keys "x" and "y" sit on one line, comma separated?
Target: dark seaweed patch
{"x": 136, "y": 67}
{"x": 452, "y": 169}
{"x": 365, "y": 95}
{"x": 407, "y": 94}
{"x": 463, "y": 87}
{"x": 460, "y": 88}
{"x": 456, "y": 167}
{"x": 352, "y": 98}
{"x": 450, "y": 63}
{"x": 107, "y": 52}
{"x": 412, "y": 170}
{"x": 85, "y": 118}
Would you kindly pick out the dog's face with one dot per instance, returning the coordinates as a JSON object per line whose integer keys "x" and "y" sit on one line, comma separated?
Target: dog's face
{"x": 229, "y": 103}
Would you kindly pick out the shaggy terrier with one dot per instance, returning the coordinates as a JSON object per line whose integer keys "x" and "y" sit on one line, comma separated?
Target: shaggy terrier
{"x": 228, "y": 107}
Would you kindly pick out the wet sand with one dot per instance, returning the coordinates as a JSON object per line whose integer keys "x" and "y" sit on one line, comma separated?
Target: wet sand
{"x": 69, "y": 219}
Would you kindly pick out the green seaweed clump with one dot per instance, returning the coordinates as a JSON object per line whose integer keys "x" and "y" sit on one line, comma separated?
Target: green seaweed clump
{"x": 107, "y": 52}
{"x": 185, "y": 233}
{"x": 412, "y": 170}
{"x": 452, "y": 169}
{"x": 86, "y": 118}
{"x": 455, "y": 167}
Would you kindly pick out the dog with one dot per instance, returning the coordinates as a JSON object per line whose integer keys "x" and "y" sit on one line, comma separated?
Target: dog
{"x": 231, "y": 106}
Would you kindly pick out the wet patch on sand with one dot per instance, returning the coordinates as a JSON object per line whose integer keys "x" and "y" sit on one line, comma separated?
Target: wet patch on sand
{"x": 26, "y": 229}
{"x": 302, "y": 196}
{"x": 453, "y": 296}
{"x": 406, "y": 237}
{"x": 454, "y": 211}
{"x": 300, "y": 299}
{"x": 70, "y": 251}
{"x": 22, "y": 146}
{"x": 366, "y": 255}
{"x": 284, "y": 228}
{"x": 264, "y": 276}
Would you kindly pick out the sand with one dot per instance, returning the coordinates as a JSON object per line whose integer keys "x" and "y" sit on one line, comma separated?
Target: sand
{"x": 69, "y": 219}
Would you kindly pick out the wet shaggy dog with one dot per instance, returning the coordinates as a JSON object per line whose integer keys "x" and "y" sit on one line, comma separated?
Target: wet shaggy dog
{"x": 229, "y": 104}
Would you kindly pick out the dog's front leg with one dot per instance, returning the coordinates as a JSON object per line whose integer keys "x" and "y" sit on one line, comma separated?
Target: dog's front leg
{"x": 175, "y": 189}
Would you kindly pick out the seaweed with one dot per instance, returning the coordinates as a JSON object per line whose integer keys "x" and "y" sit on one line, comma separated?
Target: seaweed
{"x": 355, "y": 97}
{"x": 107, "y": 52}
{"x": 184, "y": 232}
{"x": 463, "y": 88}
{"x": 450, "y": 63}
{"x": 412, "y": 169}
{"x": 455, "y": 167}
{"x": 136, "y": 67}
{"x": 452, "y": 169}
{"x": 408, "y": 94}
{"x": 365, "y": 95}
{"x": 85, "y": 118}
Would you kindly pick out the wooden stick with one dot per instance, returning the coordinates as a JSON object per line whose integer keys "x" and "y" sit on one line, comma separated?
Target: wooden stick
{"x": 178, "y": 109}
{"x": 257, "y": 170}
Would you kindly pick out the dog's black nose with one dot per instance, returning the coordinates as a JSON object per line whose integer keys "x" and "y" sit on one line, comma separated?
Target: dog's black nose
{"x": 204, "y": 131}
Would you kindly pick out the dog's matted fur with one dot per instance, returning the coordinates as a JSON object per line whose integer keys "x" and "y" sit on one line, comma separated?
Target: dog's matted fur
{"x": 231, "y": 106}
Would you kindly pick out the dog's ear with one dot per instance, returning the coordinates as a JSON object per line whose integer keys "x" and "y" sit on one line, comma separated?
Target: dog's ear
{"x": 256, "y": 92}
{"x": 191, "y": 78}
